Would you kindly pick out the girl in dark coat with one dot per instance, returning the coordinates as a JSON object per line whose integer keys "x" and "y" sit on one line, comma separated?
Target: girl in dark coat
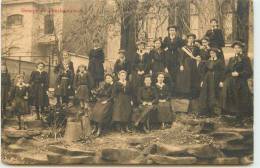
{"x": 165, "y": 114}
{"x": 140, "y": 68}
{"x": 147, "y": 98}
{"x": 122, "y": 108}
{"x": 172, "y": 45}
{"x": 39, "y": 85}
{"x": 5, "y": 88}
{"x": 95, "y": 65}
{"x": 102, "y": 112}
{"x": 158, "y": 56}
{"x": 236, "y": 97}
{"x": 19, "y": 97}
{"x": 64, "y": 84}
{"x": 83, "y": 85}
{"x": 212, "y": 83}
{"x": 216, "y": 38}
{"x": 121, "y": 64}
{"x": 187, "y": 77}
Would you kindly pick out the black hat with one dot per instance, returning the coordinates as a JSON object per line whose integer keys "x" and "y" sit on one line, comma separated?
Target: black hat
{"x": 148, "y": 76}
{"x": 140, "y": 42}
{"x": 191, "y": 34}
{"x": 121, "y": 51}
{"x": 172, "y": 26}
{"x": 239, "y": 43}
{"x": 108, "y": 74}
{"x": 122, "y": 71}
{"x": 214, "y": 19}
{"x": 216, "y": 50}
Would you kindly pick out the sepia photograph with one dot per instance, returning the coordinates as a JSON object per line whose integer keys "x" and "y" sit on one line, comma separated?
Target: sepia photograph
{"x": 127, "y": 82}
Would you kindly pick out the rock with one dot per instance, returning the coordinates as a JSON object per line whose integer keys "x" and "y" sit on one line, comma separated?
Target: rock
{"x": 207, "y": 127}
{"x": 141, "y": 159}
{"x": 151, "y": 149}
{"x": 170, "y": 150}
{"x": 16, "y": 148}
{"x": 226, "y": 161}
{"x": 54, "y": 158}
{"x": 225, "y": 136}
{"x": 237, "y": 150}
{"x": 247, "y": 160}
{"x": 32, "y": 160}
{"x": 72, "y": 160}
{"x": 159, "y": 159}
{"x": 73, "y": 131}
{"x": 180, "y": 105}
{"x": 119, "y": 155}
{"x": 138, "y": 141}
{"x": 21, "y": 133}
{"x": 204, "y": 151}
{"x": 35, "y": 124}
{"x": 70, "y": 152}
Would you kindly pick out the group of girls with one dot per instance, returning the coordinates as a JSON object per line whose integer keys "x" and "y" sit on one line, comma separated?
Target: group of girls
{"x": 138, "y": 92}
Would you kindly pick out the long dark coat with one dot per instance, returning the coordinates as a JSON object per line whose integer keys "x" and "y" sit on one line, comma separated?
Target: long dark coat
{"x": 19, "y": 103}
{"x": 39, "y": 85}
{"x": 158, "y": 62}
{"x": 64, "y": 80}
{"x": 83, "y": 85}
{"x": 187, "y": 81}
{"x": 216, "y": 40}
{"x": 236, "y": 97}
{"x": 172, "y": 54}
{"x": 141, "y": 63}
{"x": 102, "y": 113}
{"x": 95, "y": 65}
{"x": 122, "y": 108}
{"x": 165, "y": 113}
{"x": 5, "y": 87}
{"x": 145, "y": 94}
{"x": 210, "y": 91}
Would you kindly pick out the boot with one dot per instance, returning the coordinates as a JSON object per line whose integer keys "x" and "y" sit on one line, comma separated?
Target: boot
{"x": 98, "y": 132}
{"x": 94, "y": 130}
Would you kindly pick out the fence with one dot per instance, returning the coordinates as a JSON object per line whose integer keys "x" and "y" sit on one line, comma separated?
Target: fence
{"x": 26, "y": 64}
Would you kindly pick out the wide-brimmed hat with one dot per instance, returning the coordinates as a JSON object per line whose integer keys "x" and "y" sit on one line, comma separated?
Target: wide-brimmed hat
{"x": 172, "y": 26}
{"x": 213, "y": 19}
{"x": 40, "y": 62}
{"x": 239, "y": 43}
{"x": 205, "y": 38}
{"x": 191, "y": 35}
{"x": 108, "y": 74}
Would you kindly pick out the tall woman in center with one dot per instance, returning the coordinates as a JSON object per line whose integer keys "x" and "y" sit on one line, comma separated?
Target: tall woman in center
{"x": 187, "y": 77}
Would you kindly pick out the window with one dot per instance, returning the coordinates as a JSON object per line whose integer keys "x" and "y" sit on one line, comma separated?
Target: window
{"x": 227, "y": 21}
{"x": 15, "y": 20}
{"x": 194, "y": 19}
{"x": 48, "y": 24}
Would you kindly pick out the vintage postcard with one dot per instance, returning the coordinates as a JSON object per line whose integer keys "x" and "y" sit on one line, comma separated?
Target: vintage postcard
{"x": 127, "y": 82}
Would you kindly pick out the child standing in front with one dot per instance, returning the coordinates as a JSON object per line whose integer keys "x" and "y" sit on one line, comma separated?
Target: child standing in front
{"x": 19, "y": 97}
{"x": 83, "y": 86}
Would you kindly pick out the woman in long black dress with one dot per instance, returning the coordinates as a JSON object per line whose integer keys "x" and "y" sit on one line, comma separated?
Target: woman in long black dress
{"x": 147, "y": 99}
{"x": 172, "y": 44}
{"x": 102, "y": 112}
{"x": 187, "y": 77}
{"x": 83, "y": 85}
{"x": 165, "y": 113}
{"x": 19, "y": 97}
{"x": 140, "y": 68}
{"x": 39, "y": 82}
{"x": 212, "y": 83}
{"x": 122, "y": 108}
{"x": 5, "y": 88}
{"x": 96, "y": 61}
{"x": 236, "y": 97}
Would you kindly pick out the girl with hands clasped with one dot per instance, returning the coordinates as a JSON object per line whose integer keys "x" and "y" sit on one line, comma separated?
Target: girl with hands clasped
{"x": 212, "y": 83}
